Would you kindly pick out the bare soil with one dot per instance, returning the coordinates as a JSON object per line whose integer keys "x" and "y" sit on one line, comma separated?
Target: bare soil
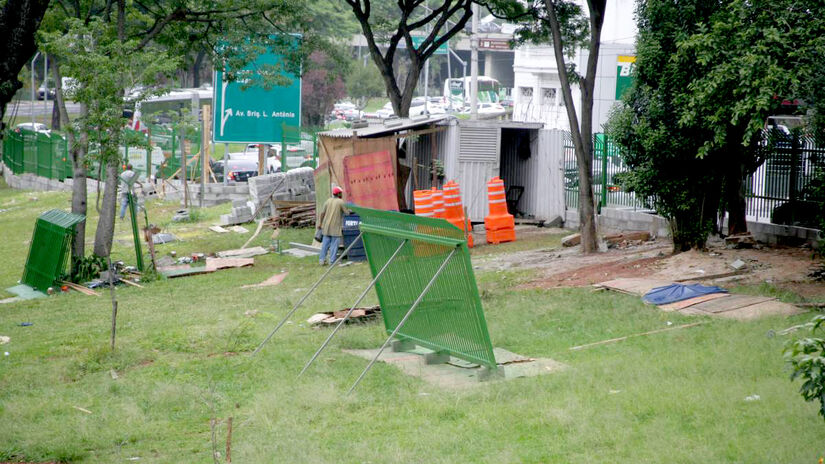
{"x": 784, "y": 267}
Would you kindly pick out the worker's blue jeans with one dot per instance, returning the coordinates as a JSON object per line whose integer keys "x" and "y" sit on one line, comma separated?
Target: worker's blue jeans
{"x": 329, "y": 244}
{"x": 124, "y": 203}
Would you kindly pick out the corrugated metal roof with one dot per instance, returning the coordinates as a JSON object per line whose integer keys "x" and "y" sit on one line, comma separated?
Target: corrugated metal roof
{"x": 61, "y": 218}
{"x": 377, "y": 130}
{"x": 500, "y": 123}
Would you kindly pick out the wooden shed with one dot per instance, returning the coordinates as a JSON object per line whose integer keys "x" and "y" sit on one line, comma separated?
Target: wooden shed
{"x": 379, "y": 166}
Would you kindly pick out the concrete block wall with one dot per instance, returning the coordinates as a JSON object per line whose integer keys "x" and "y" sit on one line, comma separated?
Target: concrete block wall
{"x": 617, "y": 220}
{"x": 213, "y": 194}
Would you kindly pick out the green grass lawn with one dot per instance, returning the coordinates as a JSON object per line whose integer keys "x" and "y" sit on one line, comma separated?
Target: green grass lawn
{"x": 183, "y": 358}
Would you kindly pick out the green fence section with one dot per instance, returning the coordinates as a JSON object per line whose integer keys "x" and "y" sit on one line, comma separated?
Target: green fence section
{"x": 449, "y": 317}
{"x": 49, "y": 248}
{"x": 607, "y": 163}
{"x": 39, "y": 153}
{"x": 300, "y": 148}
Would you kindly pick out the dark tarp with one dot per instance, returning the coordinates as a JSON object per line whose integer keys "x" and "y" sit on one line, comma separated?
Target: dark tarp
{"x": 678, "y": 292}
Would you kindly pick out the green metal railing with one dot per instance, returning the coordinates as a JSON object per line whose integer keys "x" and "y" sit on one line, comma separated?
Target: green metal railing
{"x": 607, "y": 163}
{"x": 449, "y": 317}
{"x": 39, "y": 153}
{"x": 298, "y": 148}
{"x": 49, "y": 249}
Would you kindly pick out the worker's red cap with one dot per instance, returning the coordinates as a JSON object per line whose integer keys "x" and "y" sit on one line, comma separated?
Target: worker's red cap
{"x": 336, "y": 190}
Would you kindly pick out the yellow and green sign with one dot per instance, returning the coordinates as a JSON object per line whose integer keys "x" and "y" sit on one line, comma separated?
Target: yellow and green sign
{"x": 625, "y": 69}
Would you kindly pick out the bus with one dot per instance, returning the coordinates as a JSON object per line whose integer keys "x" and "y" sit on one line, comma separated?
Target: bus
{"x": 457, "y": 91}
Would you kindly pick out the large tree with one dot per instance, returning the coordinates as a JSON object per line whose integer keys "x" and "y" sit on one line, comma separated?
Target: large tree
{"x": 136, "y": 42}
{"x": 389, "y": 28}
{"x": 751, "y": 54}
{"x": 708, "y": 74}
{"x": 19, "y": 21}
{"x": 569, "y": 29}
{"x": 662, "y": 153}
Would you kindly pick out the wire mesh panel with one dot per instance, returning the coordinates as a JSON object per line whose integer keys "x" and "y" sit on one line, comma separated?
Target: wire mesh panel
{"x": 449, "y": 317}
{"x": 49, "y": 248}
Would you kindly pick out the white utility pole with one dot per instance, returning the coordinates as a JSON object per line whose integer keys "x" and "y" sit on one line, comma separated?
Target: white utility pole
{"x": 474, "y": 66}
{"x": 427, "y": 71}
{"x": 45, "y": 87}
{"x": 31, "y": 103}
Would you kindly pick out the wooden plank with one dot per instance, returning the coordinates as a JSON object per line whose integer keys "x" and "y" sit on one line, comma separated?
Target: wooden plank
{"x": 614, "y": 340}
{"x": 692, "y": 301}
{"x": 764, "y": 309}
{"x": 634, "y": 286}
{"x": 728, "y": 304}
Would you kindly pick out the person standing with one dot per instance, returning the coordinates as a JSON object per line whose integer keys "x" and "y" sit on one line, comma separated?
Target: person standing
{"x": 330, "y": 223}
{"x": 128, "y": 177}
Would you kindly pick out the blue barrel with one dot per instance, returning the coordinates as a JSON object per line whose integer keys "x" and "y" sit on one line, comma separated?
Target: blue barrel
{"x": 351, "y": 229}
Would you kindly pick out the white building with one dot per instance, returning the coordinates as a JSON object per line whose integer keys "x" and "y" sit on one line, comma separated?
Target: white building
{"x": 537, "y": 90}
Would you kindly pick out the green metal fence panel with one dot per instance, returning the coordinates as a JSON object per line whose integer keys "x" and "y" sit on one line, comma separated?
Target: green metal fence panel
{"x": 49, "y": 248}
{"x": 607, "y": 163}
{"x": 29, "y": 151}
{"x": 450, "y": 316}
{"x": 37, "y": 153}
{"x": 44, "y": 155}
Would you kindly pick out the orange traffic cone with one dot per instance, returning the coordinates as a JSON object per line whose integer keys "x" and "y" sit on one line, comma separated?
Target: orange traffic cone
{"x": 454, "y": 210}
{"x": 437, "y": 198}
{"x": 500, "y": 225}
{"x": 423, "y": 203}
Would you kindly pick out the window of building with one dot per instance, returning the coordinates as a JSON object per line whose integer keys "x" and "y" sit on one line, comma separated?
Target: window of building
{"x": 526, "y": 92}
{"x": 548, "y": 96}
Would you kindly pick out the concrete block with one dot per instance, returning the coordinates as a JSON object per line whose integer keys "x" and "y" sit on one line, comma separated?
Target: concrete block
{"x": 402, "y": 345}
{"x": 437, "y": 357}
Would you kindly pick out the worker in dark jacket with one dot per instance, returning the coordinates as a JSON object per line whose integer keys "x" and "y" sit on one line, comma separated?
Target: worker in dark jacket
{"x": 330, "y": 223}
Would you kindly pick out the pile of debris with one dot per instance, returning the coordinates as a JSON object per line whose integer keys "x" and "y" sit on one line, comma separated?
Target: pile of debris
{"x": 358, "y": 316}
{"x": 294, "y": 216}
{"x": 295, "y": 185}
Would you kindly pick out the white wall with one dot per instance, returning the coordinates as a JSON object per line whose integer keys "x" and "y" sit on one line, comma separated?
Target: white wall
{"x": 535, "y": 68}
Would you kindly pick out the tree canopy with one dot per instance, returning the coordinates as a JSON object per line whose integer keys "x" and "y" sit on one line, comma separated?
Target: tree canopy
{"x": 390, "y": 27}
{"x": 708, "y": 74}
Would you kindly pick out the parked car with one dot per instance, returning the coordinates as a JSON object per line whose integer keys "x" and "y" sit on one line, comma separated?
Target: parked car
{"x": 346, "y": 111}
{"x": 417, "y": 108}
{"x": 33, "y": 126}
{"x": 386, "y": 111}
{"x": 240, "y": 170}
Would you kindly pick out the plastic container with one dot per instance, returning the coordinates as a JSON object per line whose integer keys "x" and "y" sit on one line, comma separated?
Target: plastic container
{"x": 351, "y": 228}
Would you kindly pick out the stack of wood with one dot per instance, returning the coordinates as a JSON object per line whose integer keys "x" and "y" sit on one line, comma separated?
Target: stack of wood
{"x": 301, "y": 215}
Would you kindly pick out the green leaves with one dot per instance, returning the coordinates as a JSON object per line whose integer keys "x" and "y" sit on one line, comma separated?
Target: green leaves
{"x": 806, "y": 358}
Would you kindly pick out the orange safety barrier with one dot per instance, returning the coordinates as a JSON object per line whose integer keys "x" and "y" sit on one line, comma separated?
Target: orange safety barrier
{"x": 422, "y": 199}
{"x": 454, "y": 210}
{"x": 437, "y": 198}
{"x": 500, "y": 225}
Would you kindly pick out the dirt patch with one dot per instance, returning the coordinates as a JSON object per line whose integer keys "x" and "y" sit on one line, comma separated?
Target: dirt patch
{"x": 786, "y": 267}
{"x": 595, "y": 273}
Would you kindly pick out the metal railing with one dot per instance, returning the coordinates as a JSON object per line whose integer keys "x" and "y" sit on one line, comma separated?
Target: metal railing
{"x": 789, "y": 187}
{"x": 607, "y": 163}
{"x": 43, "y": 154}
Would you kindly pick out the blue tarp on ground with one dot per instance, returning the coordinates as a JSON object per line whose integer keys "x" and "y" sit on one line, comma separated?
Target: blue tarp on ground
{"x": 678, "y": 292}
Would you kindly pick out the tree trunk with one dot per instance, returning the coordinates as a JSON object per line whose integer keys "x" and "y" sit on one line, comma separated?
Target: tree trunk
{"x": 106, "y": 224}
{"x": 56, "y": 123}
{"x": 19, "y": 21}
{"x": 582, "y": 134}
{"x": 77, "y": 154}
{"x": 735, "y": 199}
{"x": 196, "y": 68}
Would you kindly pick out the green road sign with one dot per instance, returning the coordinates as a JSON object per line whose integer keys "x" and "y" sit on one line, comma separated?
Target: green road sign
{"x": 255, "y": 114}
{"x": 441, "y": 50}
